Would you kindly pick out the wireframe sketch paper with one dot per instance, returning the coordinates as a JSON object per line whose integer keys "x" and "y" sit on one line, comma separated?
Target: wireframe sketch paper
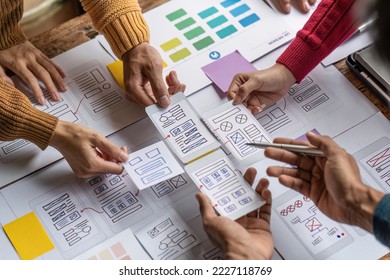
{"x": 230, "y": 194}
{"x": 182, "y": 129}
{"x": 234, "y": 125}
{"x": 122, "y": 246}
{"x": 168, "y": 237}
{"x": 151, "y": 165}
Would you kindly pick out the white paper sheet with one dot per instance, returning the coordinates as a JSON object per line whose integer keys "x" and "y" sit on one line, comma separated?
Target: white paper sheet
{"x": 122, "y": 246}
{"x": 235, "y": 126}
{"x": 168, "y": 237}
{"x": 180, "y": 126}
{"x": 152, "y": 165}
{"x": 218, "y": 178}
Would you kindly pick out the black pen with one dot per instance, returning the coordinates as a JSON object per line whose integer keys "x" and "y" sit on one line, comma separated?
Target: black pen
{"x": 306, "y": 150}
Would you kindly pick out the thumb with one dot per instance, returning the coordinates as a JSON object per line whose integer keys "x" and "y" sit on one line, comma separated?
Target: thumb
{"x": 111, "y": 151}
{"x": 245, "y": 89}
{"x": 205, "y": 207}
{"x": 324, "y": 143}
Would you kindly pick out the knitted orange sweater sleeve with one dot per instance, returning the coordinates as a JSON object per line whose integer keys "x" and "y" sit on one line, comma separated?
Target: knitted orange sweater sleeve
{"x": 11, "y": 34}
{"x": 120, "y": 21}
{"x": 19, "y": 119}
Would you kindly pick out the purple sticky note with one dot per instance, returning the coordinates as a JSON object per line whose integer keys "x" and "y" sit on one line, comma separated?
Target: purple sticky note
{"x": 222, "y": 71}
{"x": 303, "y": 137}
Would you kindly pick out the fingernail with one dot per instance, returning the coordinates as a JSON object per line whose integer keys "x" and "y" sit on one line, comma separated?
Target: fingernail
{"x": 237, "y": 100}
{"x": 287, "y": 8}
{"x": 256, "y": 110}
{"x": 41, "y": 100}
{"x": 164, "y": 101}
{"x": 122, "y": 156}
{"x": 307, "y": 7}
{"x": 64, "y": 87}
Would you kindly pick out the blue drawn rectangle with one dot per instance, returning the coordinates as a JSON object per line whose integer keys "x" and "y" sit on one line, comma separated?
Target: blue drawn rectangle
{"x": 240, "y": 10}
{"x": 249, "y": 20}
{"x": 229, "y": 3}
{"x": 208, "y": 12}
{"x": 217, "y": 21}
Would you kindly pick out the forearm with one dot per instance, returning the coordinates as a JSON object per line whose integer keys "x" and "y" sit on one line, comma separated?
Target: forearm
{"x": 11, "y": 34}
{"x": 120, "y": 21}
{"x": 330, "y": 25}
{"x": 20, "y": 120}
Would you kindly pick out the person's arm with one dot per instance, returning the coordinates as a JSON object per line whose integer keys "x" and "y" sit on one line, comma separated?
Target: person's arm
{"x": 87, "y": 152}
{"x": 330, "y": 25}
{"x": 11, "y": 34}
{"x": 382, "y": 221}
{"x": 122, "y": 24}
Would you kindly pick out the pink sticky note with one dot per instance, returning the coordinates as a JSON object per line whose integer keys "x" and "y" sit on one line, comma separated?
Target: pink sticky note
{"x": 222, "y": 71}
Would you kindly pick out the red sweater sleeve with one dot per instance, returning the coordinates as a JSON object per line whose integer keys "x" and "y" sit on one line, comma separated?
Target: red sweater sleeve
{"x": 331, "y": 24}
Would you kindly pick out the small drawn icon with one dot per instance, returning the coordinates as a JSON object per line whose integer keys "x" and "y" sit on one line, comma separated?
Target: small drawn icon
{"x": 214, "y": 55}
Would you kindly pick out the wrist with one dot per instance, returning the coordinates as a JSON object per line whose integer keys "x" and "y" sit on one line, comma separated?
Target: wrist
{"x": 242, "y": 251}
{"x": 363, "y": 203}
{"x": 60, "y": 134}
{"x": 286, "y": 72}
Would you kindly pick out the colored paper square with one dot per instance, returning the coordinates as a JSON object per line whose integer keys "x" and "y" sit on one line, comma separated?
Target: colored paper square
{"x": 116, "y": 70}
{"x": 28, "y": 237}
{"x": 222, "y": 71}
{"x": 118, "y": 250}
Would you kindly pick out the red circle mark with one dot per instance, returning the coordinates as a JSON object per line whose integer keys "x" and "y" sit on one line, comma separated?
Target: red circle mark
{"x": 290, "y": 208}
{"x": 284, "y": 212}
{"x": 298, "y": 204}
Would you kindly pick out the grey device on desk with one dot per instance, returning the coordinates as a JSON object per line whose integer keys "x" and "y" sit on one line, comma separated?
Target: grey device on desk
{"x": 305, "y": 150}
{"x": 373, "y": 71}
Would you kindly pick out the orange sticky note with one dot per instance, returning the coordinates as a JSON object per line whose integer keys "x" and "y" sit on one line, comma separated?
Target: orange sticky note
{"x": 116, "y": 70}
{"x": 28, "y": 237}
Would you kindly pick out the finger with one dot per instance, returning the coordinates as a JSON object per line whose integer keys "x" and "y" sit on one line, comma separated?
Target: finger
{"x": 106, "y": 167}
{"x": 56, "y": 76}
{"x": 276, "y": 171}
{"x": 296, "y": 184}
{"x": 5, "y": 77}
{"x": 261, "y": 185}
{"x": 174, "y": 85}
{"x": 282, "y": 140}
{"x": 111, "y": 152}
{"x": 234, "y": 86}
{"x": 283, "y": 5}
{"x": 312, "y": 2}
{"x": 42, "y": 74}
{"x": 158, "y": 86}
{"x": 303, "y": 6}
{"x": 265, "y": 210}
{"x": 324, "y": 143}
{"x": 303, "y": 162}
{"x": 205, "y": 207}
{"x": 33, "y": 84}
{"x": 250, "y": 175}
{"x": 245, "y": 89}
{"x": 135, "y": 87}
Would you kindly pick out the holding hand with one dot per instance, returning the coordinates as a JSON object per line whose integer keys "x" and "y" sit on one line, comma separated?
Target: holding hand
{"x": 31, "y": 65}
{"x": 261, "y": 88}
{"x": 248, "y": 237}
{"x": 285, "y": 5}
{"x": 87, "y": 152}
{"x": 332, "y": 182}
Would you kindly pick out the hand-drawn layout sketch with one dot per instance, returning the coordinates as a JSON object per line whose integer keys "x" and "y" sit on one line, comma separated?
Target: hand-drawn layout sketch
{"x": 116, "y": 198}
{"x": 152, "y": 165}
{"x": 375, "y": 159}
{"x": 320, "y": 235}
{"x": 171, "y": 190}
{"x": 167, "y": 238}
{"x": 235, "y": 126}
{"x": 216, "y": 176}
{"x": 122, "y": 246}
{"x": 181, "y": 127}
{"x": 62, "y": 214}
{"x": 96, "y": 90}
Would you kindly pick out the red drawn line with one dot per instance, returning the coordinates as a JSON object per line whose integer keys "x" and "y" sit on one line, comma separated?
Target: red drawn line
{"x": 89, "y": 208}
{"x": 313, "y": 225}
{"x": 78, "y": 107}
{"x": 382, "y": 156}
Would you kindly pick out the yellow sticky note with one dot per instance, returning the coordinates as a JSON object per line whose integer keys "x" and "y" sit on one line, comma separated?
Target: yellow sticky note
{"x": 116, "y": 70}
{"x": 28, "y": 237}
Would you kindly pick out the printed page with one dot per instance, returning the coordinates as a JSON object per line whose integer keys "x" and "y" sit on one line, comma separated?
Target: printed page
{"x": 230, "y": 194}
{"x": 152, "y": 165}
{"x": 181, "y": 128}
{"x": 235, "y": 126}
{"x": 168, "y": 237}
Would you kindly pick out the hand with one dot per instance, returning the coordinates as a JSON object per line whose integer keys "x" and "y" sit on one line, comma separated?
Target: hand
{"x": 248, "y": 237}
{"x": 143, "y": 76}
{"x": 174, "y": 85}
{"x": 261, "y": 88}
{"x": 332, "y": 182}
{"x": 87, "y": 152}
{"x": 4, "y": 76}
{"x": 285, "y": 5}
{"x": 31, "y": 65}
